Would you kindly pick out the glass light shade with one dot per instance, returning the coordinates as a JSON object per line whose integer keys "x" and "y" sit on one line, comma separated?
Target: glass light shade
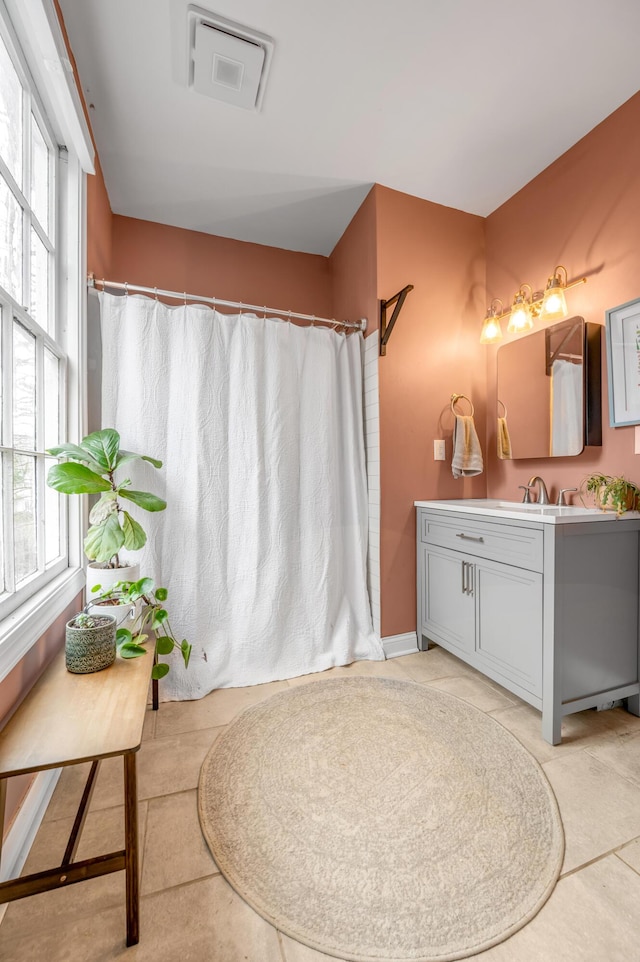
{"x": 491, "y": 329}
{"x": 520, "y": 318}
{"x": 554, "y": 305}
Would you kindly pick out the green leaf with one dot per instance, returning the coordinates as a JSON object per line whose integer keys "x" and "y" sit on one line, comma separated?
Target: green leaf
{"x": 74, "y": 478}
{"x": 161, "y": 594}
{"x": 103, "y": 447}
{"x": 134, "y": 535}
{"x": 104, "y": 540}
{"x": 150, "y": 502}
{"x": 123, "y": 636}
{"x": 130, "y": 650}
{"x": 103, "y": 508}
{"x": 185, "y": 648}
{"x": 159, "y": 670}
{"x": 76, "y": 453}
{"x": 159, "y": 618}
{"x": 142, "y": 587}
{"x": 126, "y": 456}
{"x": 164, "y": 645}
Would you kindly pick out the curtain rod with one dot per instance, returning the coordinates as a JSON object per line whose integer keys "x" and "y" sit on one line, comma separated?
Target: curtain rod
{"x": 93, "y": 281}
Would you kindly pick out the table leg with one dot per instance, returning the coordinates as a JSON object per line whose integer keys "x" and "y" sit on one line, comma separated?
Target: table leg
{"x": 131, "y": 847}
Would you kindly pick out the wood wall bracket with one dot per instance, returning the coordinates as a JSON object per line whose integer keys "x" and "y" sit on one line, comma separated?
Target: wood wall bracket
{"x": 386, "y": 328}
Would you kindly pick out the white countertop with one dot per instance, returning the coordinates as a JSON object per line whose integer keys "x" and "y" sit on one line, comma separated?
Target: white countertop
{"x": 548, "y": 513}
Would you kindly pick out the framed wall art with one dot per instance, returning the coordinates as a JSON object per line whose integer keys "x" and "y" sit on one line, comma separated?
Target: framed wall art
{"x": 623, "y": 363}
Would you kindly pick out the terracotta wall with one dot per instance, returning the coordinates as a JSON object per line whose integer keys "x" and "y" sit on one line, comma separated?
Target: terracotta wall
{"x": 584, "y": 212}
{"x": 17, "y": 684}
{"x": 154, "y": 255}
{"x": 432, "y": 353}
{"x": 353, "y": 267}
{"x": 99, "y": 225}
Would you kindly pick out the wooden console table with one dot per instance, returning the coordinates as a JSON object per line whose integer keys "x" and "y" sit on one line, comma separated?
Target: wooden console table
{"x": 68, "y": 719}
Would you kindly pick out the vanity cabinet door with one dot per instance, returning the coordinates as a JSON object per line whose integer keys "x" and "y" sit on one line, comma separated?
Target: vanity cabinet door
{"x": 509, "y": 623}
{"x": 448, "y": 600}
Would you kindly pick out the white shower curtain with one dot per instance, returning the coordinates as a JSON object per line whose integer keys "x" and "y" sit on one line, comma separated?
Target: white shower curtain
{"x": 263, "y": 543}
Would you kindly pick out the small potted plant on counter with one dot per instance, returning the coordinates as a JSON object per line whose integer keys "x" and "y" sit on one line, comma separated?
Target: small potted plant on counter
{"x": 90, "y": 468}
{"x": 611, "y": 493}
{"x": 149, "y": 615}
{"x": 90, "y": 642}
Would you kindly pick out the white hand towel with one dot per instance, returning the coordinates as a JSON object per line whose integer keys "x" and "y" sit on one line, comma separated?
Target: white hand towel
{"x": 467, "y": 454}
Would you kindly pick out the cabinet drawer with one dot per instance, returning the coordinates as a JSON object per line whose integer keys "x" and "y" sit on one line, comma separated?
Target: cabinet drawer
{"x": 510, "y": 543}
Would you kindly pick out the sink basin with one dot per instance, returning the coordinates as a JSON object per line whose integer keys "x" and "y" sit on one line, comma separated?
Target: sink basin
{"x": 521, "y": 506}
{"x": 551, "y": 514}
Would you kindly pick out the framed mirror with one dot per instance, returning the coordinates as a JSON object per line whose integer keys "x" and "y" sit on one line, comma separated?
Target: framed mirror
{"x": 549, "y": 391}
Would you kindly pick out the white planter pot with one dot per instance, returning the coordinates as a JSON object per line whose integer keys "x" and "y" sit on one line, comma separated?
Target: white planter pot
{"x": 106, "y": 577}
{"x": 123, "y": 614}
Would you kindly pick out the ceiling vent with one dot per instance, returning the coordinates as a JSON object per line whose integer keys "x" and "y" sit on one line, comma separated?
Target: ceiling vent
{"x": 227, "y": 61}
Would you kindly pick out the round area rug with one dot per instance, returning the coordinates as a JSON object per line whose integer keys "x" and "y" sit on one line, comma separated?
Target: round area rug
{"x": 378, "y": 820}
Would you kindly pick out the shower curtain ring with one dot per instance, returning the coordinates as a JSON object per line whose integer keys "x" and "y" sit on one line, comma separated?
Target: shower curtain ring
{"x": 264, "y": 312}
{"x": 185, "y": 298}
{"x": 126, "y": 288}
{"x": 156, "y": 292}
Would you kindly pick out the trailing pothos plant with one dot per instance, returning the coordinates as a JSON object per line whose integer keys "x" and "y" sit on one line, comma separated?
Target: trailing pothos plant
{"x": 90, "y": 469}
{"x": 612, "y": 493}
{"x": 150, "y": 615}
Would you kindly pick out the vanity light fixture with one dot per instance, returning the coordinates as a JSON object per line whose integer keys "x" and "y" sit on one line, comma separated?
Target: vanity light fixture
{"x": 521, "y": 316}
{"x": 549, "y": 305}
{"x": 491, "y": 327}
{"x": 554, "y": 304}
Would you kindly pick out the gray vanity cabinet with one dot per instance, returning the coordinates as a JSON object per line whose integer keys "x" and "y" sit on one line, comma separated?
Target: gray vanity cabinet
{"x": 470, "y": 606}
{"x": 547, "y": 609}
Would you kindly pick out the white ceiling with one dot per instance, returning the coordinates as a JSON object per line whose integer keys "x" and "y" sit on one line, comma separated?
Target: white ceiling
{"x": 461, "y": 102}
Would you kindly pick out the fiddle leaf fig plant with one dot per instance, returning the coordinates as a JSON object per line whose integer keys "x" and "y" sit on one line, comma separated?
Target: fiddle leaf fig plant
{"x": 148, "y": 603}
{"x": 91, "y": 469}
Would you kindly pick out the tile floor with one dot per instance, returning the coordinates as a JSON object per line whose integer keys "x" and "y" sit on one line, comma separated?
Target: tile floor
{"x": 190, "y": 913}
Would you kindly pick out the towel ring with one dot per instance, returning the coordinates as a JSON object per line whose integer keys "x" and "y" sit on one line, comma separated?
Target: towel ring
{"x": 504, "y": 408}
{"x": 454, "y": 400}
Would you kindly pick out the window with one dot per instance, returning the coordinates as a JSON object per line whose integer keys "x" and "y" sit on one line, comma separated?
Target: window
{"x": 33, "y": 545}
{"x": 44, "y": 147}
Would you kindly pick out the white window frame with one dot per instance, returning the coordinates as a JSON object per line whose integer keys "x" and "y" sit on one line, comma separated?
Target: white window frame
{"x": 34, "y": 29}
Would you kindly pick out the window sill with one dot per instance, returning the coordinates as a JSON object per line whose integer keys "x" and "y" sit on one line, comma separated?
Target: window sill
{"x": 21, "y": 629}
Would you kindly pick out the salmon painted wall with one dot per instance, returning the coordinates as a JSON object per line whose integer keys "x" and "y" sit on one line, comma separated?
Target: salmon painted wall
{"x": 584, "y": 212}
{"x": 432, "y": 353}
{"x": 99, "y": 225}
{"x": 353, "y": 266}
{"x": 155, "y": 255}
{"x": 18, "y": 683}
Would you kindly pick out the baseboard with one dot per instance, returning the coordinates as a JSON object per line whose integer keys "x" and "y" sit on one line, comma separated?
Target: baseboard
{"x": 396, "y": 645}
{"x": 20, "y": 836}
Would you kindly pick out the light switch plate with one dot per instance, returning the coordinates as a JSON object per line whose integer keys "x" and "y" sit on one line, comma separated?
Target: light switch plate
{"x": 438, "y": 451}
{"x": 637, "y": 439}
